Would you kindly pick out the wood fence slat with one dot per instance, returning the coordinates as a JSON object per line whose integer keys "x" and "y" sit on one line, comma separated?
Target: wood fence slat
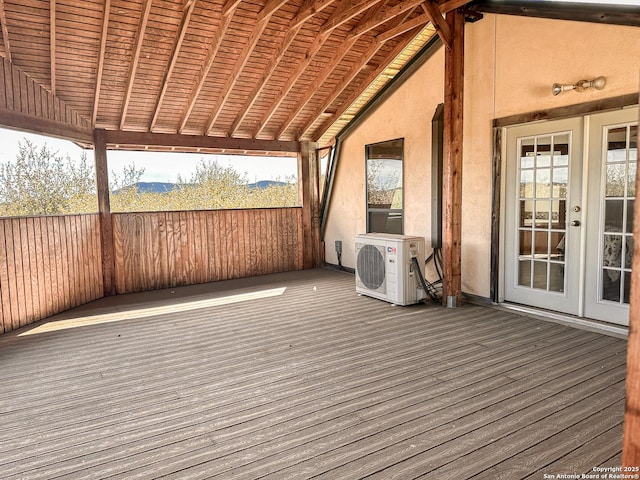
{"x": 15, "y": 265}
{"x": 96, "y": 257}
{"x": 48, "y": 295}
{"x": 3, "y": 95}
{"x": 5, "y": 299}
{"x": 17, "y": 101}
{"x": 8, "y": 90}
{"x": 85, "y": 265}
{"x": 34, "y": 260}
{"x": 53, "y": 253}
{"x": 246, "y": 241}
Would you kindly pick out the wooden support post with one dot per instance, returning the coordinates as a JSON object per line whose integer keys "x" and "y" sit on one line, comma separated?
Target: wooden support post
{"x": 104, "y": 210}
{"x": 310, "y": 196}
{"x": 631, "y": 441}
{"x": 452, "y": 166}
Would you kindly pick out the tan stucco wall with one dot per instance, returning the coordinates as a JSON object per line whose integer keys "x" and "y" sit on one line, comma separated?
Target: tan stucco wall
{"x": 510, "y": 66}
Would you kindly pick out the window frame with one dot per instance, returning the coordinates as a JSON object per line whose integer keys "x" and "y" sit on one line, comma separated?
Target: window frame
{"x": 397, "y": 211}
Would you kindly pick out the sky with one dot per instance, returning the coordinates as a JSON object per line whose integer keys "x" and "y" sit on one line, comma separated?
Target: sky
{"x": 158, "y": 166}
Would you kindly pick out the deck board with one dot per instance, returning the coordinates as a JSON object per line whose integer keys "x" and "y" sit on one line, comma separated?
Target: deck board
{"x": 313, "y": 383}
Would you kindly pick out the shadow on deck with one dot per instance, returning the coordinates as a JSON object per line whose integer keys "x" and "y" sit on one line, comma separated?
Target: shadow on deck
{"x": 295, "y": 376}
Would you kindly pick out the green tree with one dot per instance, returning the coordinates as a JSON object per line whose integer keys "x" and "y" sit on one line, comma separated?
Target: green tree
{"x": 42, "y": 182}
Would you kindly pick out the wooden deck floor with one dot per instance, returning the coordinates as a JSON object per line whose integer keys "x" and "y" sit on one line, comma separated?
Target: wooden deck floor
{"x": 293, "y": 376}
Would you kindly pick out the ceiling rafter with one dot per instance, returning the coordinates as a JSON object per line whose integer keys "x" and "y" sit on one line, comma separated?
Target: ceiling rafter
{"x": 100, "y": 69}
{"x": 52, "y": 43}
{"x": 184, "y": 25}
{"x": 227, "y": 15}
{"x": 263, "y": 20}
{"x": 450, "y": 5}
{"x": 308, "y": 11}
{"x": 403, "y": 28}
{"x": 372, "y": 76}
{"x": 338, "y": 17}
{"x": 438, "y": 22}
{"x": 230, "y": 7}
{"x": 5, "y": 31}
{"x": 315, "y": 47}
{"x": 384, "y": 16}
{"x": 322, "y": 76}
{"x": 337, "y": 57}
{"x": 255, "y": 93}
{"x": 350, "y": 76}
{"x": 345, "y": 12}
{"x": 144, "y": 18}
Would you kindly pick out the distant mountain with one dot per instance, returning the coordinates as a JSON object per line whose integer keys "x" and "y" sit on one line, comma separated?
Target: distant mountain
{"x": 266, "y": 184}
{"x": 151, "y": 187}
{"x": 165, "y": 187}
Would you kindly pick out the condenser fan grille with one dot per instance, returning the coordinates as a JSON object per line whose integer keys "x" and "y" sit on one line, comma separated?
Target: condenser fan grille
{"x": 370, "y": 266}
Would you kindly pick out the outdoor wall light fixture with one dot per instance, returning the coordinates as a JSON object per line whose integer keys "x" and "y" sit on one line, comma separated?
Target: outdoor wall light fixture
{"x": 581, "y": 86}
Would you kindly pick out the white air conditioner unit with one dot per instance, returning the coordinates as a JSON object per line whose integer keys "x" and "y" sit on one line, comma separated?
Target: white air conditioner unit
{"x": 384, "y": 267}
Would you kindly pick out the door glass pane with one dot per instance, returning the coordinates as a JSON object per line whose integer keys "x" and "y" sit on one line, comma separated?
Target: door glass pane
{"x": 543, "y": 183}
{"x": 540, "y": 275}
{"x": 560, "y": 150}
{"x": 543, "y": 152}
{"x": 613, "y": 214}
{"x": 524, "y": 273}
{"x": 558, "y": 214}
{"x": 525, "y": 242}
{"x": 556, "y": 277}
{"x": 617, "y": 220}
{"x": 542, "y": 213}
{"x": 543, "y": 176}
{"x": 526, "y": 213}
{"x": 615, "y": 180}
{"x": 526, "y": 184}
{"x": 541, "y": 247}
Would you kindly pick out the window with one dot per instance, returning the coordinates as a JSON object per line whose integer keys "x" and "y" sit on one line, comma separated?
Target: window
{"x": 384, "y": 187}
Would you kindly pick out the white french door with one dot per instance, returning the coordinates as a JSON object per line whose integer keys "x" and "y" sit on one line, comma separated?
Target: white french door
{"x": 569, "y": 199}
{"x": 543, "y": 201}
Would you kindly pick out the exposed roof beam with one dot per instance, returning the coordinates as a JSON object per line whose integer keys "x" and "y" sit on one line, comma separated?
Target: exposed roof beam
{"x": 103, "y": 46}
{"x": 135, "y": 59}
{"x": 255, "y": 93}
{"x": 403, "y": 28}
{"x": 342, "y": 14}
{"x": 345, "y": 12}
{"x": 372, "y": 76}
{"x": 197, "y": 141}
{"x": 384, "y": 16}
{"x": 306, "y": 12}
{"x": 315, "y": 47}
{"x": 186, "y": 18}
{"x": 580, "y": 12}
{"x": 230, "y": 7}
{"x": 5, "y": 32}
{"x": 439, "y": 23}
{"x": 269, "y": 9}
{"x": 211, "y": 56}
{"x": 263, "y": 20}
{"x": 347, "y": 79}
{"x": 52, "y": 43}
{"x": 449, "y": 5}
{"x": 322, "y": 76}
{"x": 337, "y": 57}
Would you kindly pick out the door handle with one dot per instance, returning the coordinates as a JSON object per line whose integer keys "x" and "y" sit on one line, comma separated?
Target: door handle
{"x": 575, "y": 223}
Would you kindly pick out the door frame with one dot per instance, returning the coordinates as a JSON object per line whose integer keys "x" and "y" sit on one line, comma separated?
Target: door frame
{"x": 499, "y": 158}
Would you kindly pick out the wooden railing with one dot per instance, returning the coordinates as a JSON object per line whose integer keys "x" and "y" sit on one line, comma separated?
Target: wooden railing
{"x": 47, "y": 265}
{"x": 167, "y": 249}
{"x": 51, "y": 264}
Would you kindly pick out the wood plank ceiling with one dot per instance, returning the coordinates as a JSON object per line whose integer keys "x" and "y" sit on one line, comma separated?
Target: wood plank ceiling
{"x": 246, "y": 69}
